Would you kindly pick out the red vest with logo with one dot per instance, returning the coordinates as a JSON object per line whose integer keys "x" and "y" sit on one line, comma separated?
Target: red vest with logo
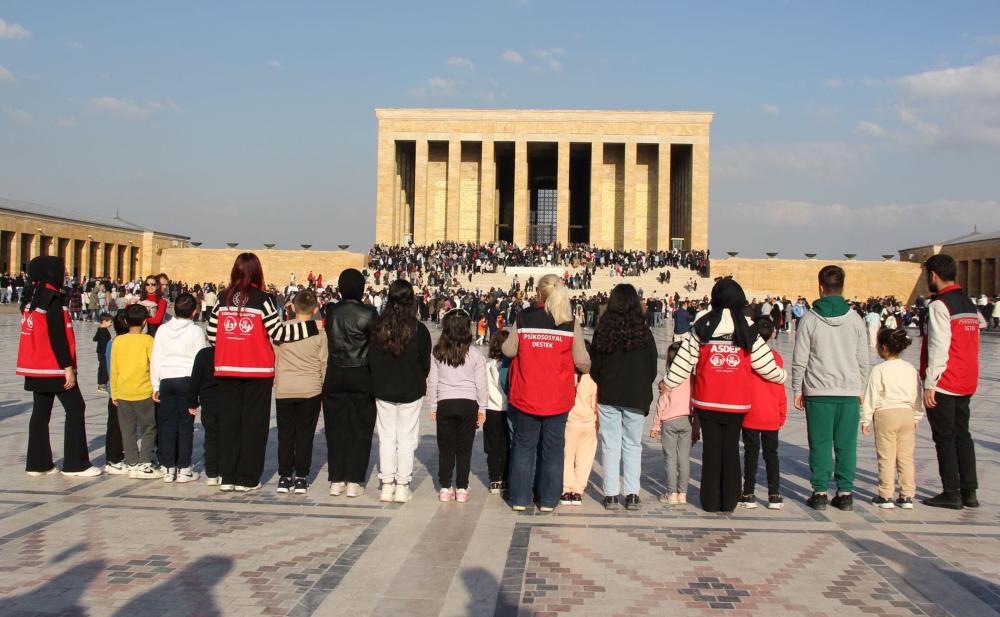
{"x": 961, "y": 377}
{"x": 768, "y": 402}
{"x": 543, "y": 375}
{"x": 35, "y": 357}
{"x": 242, "y": 344}
{"x": 722, "y": 378}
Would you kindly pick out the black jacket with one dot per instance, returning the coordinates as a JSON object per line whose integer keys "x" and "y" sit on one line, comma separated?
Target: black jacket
{"x": 203, "y": 383}
{"x": 402, "y": 379}
{"x": 348, "y": 326}
{"x": 625, "y": 378}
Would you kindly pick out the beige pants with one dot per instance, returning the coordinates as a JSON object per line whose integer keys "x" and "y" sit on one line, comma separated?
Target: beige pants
{"x": 581, "y": 447}
{"x": 895, "y": 437}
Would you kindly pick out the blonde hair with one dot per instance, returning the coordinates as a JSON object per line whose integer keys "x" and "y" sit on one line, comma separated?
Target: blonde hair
{"x": 552, "y": 291}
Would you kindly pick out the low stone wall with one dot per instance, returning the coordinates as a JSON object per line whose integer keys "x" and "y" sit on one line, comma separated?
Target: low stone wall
{"x": 797, "y": 277}
{"x": 199, "y": 265}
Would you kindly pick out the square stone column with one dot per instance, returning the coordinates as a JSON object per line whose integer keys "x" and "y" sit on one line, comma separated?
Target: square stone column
{"x": 15, "y": 253}
{"x": 420, "y": 193}
{"x": 699, "y": 197}
{"x": 597, "y": 194}
{"x": 454, "y": 189}
{"x": 521, "y": 196}
{"x": 386, "y": 216}
{"x": 487, "y": 193}
{"x": 562, "y": 193}
{"x": 663, "y": 197}
{"x": 34, "y": 245}
{"x": 69, "y": 252}
{"x": 629, "y": 223}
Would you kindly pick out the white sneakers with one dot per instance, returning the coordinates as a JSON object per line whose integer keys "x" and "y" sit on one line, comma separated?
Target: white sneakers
{"x": 402, "y": 493}
{"x": 227, "y": 488}
{"x": 213, "y": 480}
{"x": 337, "y": 488}
{"x": 247, "y": 489}
{"x": 388, "y": 491}
{"x": 169, "y": 474}
{"x": 355, "y": 490}
{"x": 186, "y": 474}
{"x": 116, "y": 469}
{"x": 145, "y": 471}
{"x": 89, "y": 472}
{"x": 35, "y": 474}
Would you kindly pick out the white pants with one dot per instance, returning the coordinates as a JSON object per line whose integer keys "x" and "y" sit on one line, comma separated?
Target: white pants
{"x": 398, "y": 426}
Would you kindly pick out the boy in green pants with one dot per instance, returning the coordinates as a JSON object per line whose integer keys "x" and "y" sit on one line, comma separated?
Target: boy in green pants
{"x": 829, "y": 374}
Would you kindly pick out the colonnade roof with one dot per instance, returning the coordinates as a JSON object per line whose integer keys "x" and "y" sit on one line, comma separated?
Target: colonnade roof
{"x": 33, "y": 209}
{"x": 686, "y": 117}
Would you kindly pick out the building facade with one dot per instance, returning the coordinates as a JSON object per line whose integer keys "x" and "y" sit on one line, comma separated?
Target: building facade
{"x": 615, "y": 179}
{"x": 91, "y": 246}
{"x": 977, "y": 256}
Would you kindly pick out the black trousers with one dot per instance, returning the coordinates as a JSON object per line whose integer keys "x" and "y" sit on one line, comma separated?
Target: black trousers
{"x": 75, "y": 454}
{"x": 752, "y": 441}
{"x": 956, "y": 452}
{"x": 175, "y": 425}
{"x": 102, "y": 369}
{"x": 297, "y": 418}
{"x": 244, "y": 421}
{"x": 349, "y": 419}
{"x": 496, "y": 443}
{"x": 210, "y": 424}
{"x": 720, "y": 466}
{"x": 456, "y": 430}
{"x": 114, "y": 452}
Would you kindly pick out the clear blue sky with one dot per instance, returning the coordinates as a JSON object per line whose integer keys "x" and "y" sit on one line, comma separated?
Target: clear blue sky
{"x": 840, "y": 127}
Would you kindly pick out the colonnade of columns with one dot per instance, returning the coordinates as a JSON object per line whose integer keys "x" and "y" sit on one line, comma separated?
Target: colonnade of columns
{"x": 89, "y": 257}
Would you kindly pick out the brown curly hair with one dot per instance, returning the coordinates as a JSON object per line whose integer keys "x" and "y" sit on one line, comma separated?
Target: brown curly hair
{"x": 623, "y": 326}
{"x": 394, "y": 328}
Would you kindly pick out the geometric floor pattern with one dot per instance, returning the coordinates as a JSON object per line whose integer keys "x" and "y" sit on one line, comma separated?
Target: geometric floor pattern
{"x": 120, "y": 547}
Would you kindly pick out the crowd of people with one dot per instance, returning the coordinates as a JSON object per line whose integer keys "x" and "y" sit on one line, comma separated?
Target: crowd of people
{"x": 546, "y": 398}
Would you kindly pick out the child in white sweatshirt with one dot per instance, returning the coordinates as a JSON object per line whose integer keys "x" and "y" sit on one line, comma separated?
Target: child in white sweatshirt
{"x": 176, "y": 344}
{"x": 893, "y": 403}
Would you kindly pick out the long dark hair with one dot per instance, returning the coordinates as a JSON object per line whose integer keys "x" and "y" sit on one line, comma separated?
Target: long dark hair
{"x": 395, "y": 326}
{"x": 455, "y": 339}
{"x": 247, "y": 272}
{"x": 623, "y": 326}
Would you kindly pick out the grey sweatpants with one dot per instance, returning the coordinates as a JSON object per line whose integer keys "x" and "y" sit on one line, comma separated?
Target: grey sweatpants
{"x": 675, "y": 437}
{"x": 143, "y": 414}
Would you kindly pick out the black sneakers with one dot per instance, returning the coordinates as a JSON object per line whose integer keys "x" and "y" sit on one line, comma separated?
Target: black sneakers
{"x": 969, "y": 498}
{"x": 632, "y": 502}
{"x": 566, "y": 499}
{"x": 284, "y": 484}
{"x": 951, "y": 501}
{"x": 885, "y": 503}
{"x": 611, "y": 502}
{"x": 818, "y": 501}
{"x": 905, "y": 503}
{"x": 301, "y": 486}
{"x": 496, "y": 487}
{"x": 843, "y": 502}
{"x": 775, "y": 502}
{"x": 747, "y": 501}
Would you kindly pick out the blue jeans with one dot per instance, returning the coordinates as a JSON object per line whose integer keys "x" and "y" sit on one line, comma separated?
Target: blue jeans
{"x": 621, "y": 448}
{"x": 546, "y": 437}
{"x": 176, "y": 425}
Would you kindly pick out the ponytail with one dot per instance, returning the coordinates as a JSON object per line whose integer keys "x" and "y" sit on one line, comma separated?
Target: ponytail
{"x": 552, "y": 291}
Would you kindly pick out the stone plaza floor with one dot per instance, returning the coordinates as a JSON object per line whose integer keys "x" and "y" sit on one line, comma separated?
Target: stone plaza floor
{"x": 114, "y": 546}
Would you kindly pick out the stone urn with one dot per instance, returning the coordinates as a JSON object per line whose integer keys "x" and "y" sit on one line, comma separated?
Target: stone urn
{"x": 850, "y": 256}
{"x": 269, "y": 245}
{"x": 888, "y": 257}
{"x": 810, "y": 255}
{"x": 306, "y": 247}
{"x": 195, "y": 244}
{"x": 343, "y": 247}
{"x": 232, "y": 245}
{"x": 771, "y": 255}
{"x": 732, "y": 254}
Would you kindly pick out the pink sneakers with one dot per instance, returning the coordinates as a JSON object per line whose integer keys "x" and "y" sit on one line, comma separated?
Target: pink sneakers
{"x": 446, "y": 494}
{"x": 462, "y": 495}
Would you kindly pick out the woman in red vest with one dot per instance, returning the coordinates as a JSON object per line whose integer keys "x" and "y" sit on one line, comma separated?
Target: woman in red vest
{"x": 723, "y": 351}
{"x": 46, "y": 358}
{"x": 547, "y": 346}
{"x": 242, "y": 326}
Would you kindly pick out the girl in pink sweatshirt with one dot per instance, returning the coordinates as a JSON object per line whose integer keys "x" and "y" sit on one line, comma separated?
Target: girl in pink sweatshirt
{"x": 581, "y": 440}
{"x": 678, "y": 431}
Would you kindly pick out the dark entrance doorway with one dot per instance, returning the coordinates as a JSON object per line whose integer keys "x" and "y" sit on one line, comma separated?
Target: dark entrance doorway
{"x": 504, "y": 153}
{"x": 542, "y": 169}
{"x": 579, "y": 193}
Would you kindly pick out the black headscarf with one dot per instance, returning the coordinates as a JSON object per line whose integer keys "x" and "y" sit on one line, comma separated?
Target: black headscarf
{"x": 42, "y": 270}
{"x": 727, "y": 295}
{"x": 351, "y": 284}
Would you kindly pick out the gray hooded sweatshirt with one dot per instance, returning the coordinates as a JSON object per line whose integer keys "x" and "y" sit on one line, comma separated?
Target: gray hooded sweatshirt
{"x": 830, "y": 357}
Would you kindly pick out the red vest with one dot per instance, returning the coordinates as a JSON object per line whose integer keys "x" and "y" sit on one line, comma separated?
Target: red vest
{"x": 35, "y": 357}
{"x": 242, "y": 345}
{"x": 542, "y": 375}
{"x": 961, "y": 377}
{"x": 768, "y": 402}
{"x": 722, "y": 378}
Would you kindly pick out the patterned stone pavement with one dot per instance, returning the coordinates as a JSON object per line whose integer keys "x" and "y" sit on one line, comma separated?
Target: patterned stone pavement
{"x": 114, "y": 546}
